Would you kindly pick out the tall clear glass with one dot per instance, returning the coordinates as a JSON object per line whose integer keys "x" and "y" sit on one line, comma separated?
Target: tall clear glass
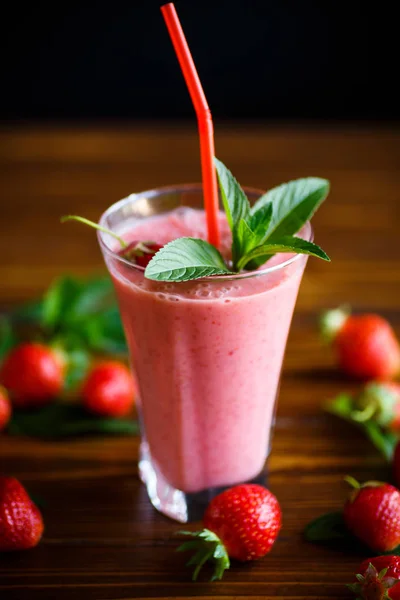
{"x": 207, "y": 355}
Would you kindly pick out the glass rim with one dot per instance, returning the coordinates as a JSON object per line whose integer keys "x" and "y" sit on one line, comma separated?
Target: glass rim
{"x": 152, "y": 193}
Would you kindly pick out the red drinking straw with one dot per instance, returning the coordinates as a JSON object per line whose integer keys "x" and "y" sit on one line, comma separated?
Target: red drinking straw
{"x": 204, "y": 120}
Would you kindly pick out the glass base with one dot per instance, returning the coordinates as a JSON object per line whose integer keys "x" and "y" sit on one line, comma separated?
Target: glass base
{"x": 173, "y": 503}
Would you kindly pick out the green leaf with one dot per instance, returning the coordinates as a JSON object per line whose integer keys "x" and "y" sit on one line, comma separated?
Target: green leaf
{"x": 234, "y": 199}
{"x": 330, "y": 526}
{"x": 78, "y": 367}
{"x": 70, "y": 301}
{"x": 242, "y": 238}
{"x": 385, "y": 441}
{"x": 250, "y": 234}
{"x": 294, "y": 203}
{"x": 58, "y": 299}
{"x": 259, "y": 222}
{"x": 285, "y": 244}
{"x": 94, "y": 296}
{"x": 184, "y": 259}
{"x": 342, "y": 406}
{"x": 7, "y": 336}
{"x": 60, "y": 420}
{"x": 103, "y": 332}
{"x": 30, "y": 312}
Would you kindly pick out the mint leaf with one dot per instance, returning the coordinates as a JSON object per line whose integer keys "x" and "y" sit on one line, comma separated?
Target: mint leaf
{"x": 293, "y": 204}
{"x": 251, "y": 233}
{"x": 285, "y": 244}
{"x": 328, "y": 527}
{"x": 234, "y": 199}
{"x": 61, "y": 420}
{"x": 242, "y": 240}
{"x": 184, "y": 259}
{"x": 259, "y": 222}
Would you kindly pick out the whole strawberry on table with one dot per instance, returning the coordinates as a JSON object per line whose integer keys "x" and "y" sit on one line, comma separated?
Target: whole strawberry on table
{"x": 378, "y": 578}
{"x": 365, "y": 345}
{"x": 242, "y": 523}
{"x": 21, "y": 523}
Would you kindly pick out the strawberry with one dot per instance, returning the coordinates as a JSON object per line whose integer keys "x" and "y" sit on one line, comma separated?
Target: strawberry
{"x": 366, "y": 345}
{"x": 21, "y": 524}
{"x": 5, "y": 408}
{"x": 372, "y": 513}
{"x": 109, "y": 389}
{"x": 378, "y": 579}
{"x": 140, "y": 253}
{"x": 379, "y": 402}
{"x": 242, "y": 522}
{"x": 33, "y": 374}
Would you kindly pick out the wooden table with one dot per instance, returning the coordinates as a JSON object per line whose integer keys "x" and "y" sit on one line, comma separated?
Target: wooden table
{"x": 103, "y": 540}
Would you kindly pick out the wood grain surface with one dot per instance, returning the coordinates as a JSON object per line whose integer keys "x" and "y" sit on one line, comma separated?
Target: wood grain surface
{"x": 103, "y": 540}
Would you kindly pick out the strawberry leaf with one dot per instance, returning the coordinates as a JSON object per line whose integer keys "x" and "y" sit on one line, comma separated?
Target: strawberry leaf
{"x": 385, "y": 441}
{"x": 345, "y": 408}
{"x": 209, "y": 547}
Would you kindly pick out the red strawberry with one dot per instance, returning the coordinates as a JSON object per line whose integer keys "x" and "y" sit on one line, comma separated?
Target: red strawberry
{"x": 372, "y": 514}
{"x": 140, "y": 253}
{"x": 377, "y": 578}
{"x": 379, "y": 402}
{"x": 242, "y": 522}
{"x": 33, "y": 374}
{"x": 5, "y": 408}
{"x": 366, "y": 345}
{"x": 21, "y": 524}
{"x": 109, "y": 389}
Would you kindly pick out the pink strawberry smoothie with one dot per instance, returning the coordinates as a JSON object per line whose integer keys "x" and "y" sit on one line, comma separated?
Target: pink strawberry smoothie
{"x": 207, "y": 355}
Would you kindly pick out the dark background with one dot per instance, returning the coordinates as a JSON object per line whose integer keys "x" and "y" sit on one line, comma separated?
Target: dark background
{"x": 256, "y": 59}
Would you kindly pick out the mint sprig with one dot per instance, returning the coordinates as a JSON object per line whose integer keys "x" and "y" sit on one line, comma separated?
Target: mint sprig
{"x": 258, "y": 232}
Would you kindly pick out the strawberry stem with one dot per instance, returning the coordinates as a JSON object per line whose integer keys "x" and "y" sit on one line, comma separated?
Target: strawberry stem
{"x": 366, "y": 414}
{"x": 95, "y": 226}
{"x": 332, "y": 321}
{"x": 353, "y": 482}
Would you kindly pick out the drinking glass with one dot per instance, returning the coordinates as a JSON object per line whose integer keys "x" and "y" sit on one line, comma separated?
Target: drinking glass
{"x": 207, "y": 356}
